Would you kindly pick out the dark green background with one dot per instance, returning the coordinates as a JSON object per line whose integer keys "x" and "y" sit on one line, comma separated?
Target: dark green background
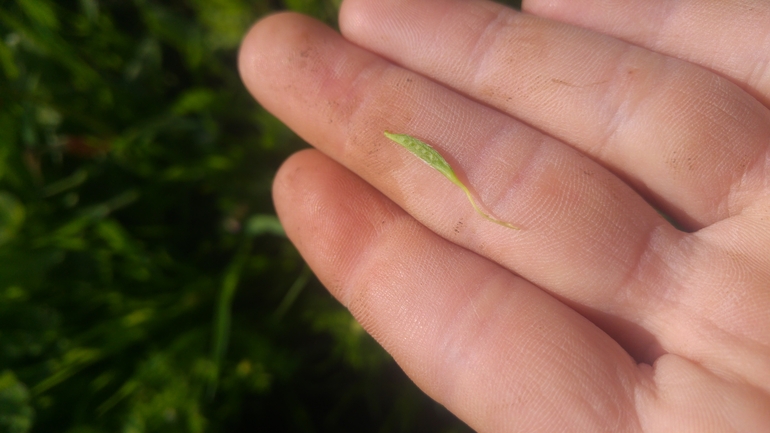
{"x": 145, "y": 283}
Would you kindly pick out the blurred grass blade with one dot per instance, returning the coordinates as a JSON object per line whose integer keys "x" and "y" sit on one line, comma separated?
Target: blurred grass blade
{"x": 12, "y": 214}
{"x": 293, "y": 293}
{"x": 223, "y": 312}
{"x": 263, "y": 224}
{"x": 68, "y": 182}
{"x": 73, "y": 361}
{"x": 127, "y": 389}
{"x": 16, "y": 412}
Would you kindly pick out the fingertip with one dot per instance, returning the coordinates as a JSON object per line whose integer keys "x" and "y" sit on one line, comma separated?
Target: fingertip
{"x": 330, "y": 215}
{"x": 304, "y": 201}
{"x": 254, "y": 48}
{"x": 294, "y": 195}
{"x": 352, "y": 16}
{"x": 272, "y": 43}
{"x": 356, "y": 16}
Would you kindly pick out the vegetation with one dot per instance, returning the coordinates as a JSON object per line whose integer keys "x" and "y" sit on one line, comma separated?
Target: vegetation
{"x": 145, "y": 283}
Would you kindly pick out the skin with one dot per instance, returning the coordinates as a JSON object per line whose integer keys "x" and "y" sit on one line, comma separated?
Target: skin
{"x": 576, "y": 119}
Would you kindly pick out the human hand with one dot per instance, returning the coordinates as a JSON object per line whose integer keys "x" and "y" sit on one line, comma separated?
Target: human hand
{"x": 598, "y": 315}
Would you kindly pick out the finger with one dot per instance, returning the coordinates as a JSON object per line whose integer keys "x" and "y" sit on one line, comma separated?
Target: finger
{"x": 729, "y": 37}
{"x": 587, "y": 237}
{"x": 489, "y": 346}
{"x": 492, "y": 348}
{"x": 692, "y": 142}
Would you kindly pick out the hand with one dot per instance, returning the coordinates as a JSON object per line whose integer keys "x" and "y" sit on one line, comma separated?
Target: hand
{"x": 598, "y": 315}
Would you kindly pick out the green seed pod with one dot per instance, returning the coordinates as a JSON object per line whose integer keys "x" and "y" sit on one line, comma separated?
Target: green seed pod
{"x": 430, "y": 156}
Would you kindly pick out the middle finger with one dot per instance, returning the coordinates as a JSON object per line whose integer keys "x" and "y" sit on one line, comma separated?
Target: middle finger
{"x": 691, "y": 142}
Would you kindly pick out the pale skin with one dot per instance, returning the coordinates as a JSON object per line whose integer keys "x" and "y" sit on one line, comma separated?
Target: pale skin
{"x": 575, "y": 121}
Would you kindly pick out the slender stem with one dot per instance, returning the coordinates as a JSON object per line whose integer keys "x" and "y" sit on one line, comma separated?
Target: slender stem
{"x": 482, "y": 213}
